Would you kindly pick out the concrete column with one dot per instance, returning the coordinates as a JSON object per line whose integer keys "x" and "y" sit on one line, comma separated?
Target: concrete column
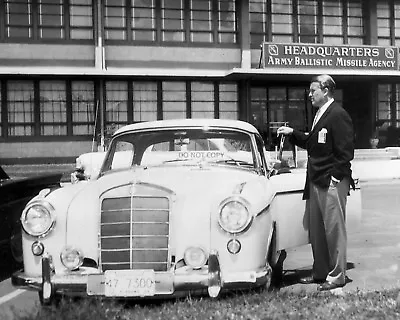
{"x": 99, "y": 52}
{"x": 245, "y": 34}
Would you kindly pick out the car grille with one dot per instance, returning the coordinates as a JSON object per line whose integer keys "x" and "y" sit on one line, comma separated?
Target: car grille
{"x": 134, "y": 233}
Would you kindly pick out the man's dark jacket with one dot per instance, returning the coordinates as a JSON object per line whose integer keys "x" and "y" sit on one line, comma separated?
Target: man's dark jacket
{"x": 330, "y": 156}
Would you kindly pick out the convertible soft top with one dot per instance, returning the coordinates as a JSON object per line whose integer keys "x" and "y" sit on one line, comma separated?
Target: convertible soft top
{"x": 233, "y": 124}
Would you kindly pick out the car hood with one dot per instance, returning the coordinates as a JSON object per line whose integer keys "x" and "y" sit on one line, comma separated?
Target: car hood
{"x": 197, "y": 181}
{"x": 195, "y": 195}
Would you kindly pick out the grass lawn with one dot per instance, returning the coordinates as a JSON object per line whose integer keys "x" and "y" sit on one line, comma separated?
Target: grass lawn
{"x": 250, "y": 305}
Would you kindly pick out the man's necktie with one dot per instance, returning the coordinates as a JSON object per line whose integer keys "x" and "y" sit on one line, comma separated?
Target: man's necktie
{"x": 316, "y": 118}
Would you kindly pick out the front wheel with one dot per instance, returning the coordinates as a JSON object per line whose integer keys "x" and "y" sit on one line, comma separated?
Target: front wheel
{"x": 277, "y": 269}
{"x": 48, "y": 303}
{"x": 16, "y": 247}
{"x": 276, "y": 258}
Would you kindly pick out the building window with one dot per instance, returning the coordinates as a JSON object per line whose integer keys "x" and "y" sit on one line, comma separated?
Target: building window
{"x": 116, "y": 104}
{"x": 115, "y": 21}
{"x": 227, "y": 21}
{"x": 282, "y": 20}
{"x": 383, "y": 112}
{"x": 332, "y": 12}
{"x": 387, "y": 122}
{"x": 1, "y": 113}
{"x": 144, "y": 20}
{"x": 174, "y": 100}
{"x": 202, "y": 100}
{"x": 53, "y": 108}
{"x": 19, "y": 19}
{"x": 228, "y": 101}
{"x": 84, "y": 109}
{"x": 49, "y": 19}
{"x": 43, "y": 109}
{"x": 306, "y": 21}
{"x": 144, "y": 101}
{"x": 172, "y": 20}
{"x": 383, "y": 16}
{"x": 181, "y": 21}
{"x": 81, "y": 19}
{"x": 388, "y": 110}
{"x": 201, "y": 21}
{"x": 259, "y": 23}
{"x": 273, "y": 106}
{"x": 65, "y": 108}
{"x": 342, "y": 22}
{"x": 388, "y": 16}
{"x": 355, "y": 22}
{"x": 20, "y": 102}
{"x": 396, "y": 109}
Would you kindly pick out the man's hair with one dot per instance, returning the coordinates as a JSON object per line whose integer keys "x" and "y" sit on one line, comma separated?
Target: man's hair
{"x": 325, "y": 81}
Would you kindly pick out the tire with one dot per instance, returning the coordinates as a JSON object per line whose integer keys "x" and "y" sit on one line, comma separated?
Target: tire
{"x": 16, "y": 248}
{"x": 277, "y": 270}
{"x": 276, "y": 259}
{"x": 54, "y": 301}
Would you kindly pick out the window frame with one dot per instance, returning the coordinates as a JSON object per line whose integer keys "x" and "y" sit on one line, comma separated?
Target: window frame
{"x": 35, "y": 16}
{"x": 36, "y": 122}
{"x": 295, "y": 35}
{"x": 186, "y": 29}
{"x": 392, "y": 19}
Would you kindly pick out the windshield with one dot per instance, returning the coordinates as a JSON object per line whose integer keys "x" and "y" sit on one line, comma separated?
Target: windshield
{"x": 180, "y": 147}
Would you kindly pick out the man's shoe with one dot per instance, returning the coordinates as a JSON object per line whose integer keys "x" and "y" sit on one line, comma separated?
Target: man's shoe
{"x": 327, "y": 285}
{"x": 310, "y": 280}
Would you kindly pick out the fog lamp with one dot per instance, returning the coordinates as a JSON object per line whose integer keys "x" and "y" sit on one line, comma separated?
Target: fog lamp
{"x": 71, "y": 257}
{"x": 195, "y": 257}
{"x": 234, "y": 246}
{"x": 37, "y": 248}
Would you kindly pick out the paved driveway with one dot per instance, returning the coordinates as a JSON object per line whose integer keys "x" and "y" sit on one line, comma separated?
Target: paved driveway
{"x": 373, "y": 252}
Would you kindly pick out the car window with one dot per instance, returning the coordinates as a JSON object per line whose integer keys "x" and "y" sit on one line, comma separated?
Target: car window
{"x": 123, "y": 155}
{"x": 182, "y": 147}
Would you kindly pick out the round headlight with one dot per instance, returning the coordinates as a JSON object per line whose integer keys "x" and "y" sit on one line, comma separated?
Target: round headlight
{"x": 71, "y": 258}
{"x": 234, "y": 217}
{"x": 38, "y": 218}
{"x": 195, "y": 257}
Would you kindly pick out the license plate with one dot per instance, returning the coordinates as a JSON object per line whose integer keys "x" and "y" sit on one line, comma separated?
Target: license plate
{"x": 129, "y": 283}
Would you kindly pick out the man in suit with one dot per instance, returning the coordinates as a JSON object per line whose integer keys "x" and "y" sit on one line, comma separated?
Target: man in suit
{"x": 330, "y": 148}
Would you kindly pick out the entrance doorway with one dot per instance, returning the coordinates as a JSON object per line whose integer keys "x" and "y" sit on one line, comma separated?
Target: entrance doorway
{"x": 273, "y": 106}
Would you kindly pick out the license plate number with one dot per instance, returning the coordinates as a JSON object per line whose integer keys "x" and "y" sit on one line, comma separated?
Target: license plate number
{"x": 129, "y": 283}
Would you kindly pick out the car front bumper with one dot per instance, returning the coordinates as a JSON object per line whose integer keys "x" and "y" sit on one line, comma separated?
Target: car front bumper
{"x": 89, "y": 282}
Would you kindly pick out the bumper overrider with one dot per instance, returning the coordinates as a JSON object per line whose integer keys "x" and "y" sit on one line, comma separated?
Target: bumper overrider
{"x": 88, "y": 282}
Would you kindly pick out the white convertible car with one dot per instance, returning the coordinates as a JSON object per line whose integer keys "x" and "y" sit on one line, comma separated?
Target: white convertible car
{"x": 177, "y": 207}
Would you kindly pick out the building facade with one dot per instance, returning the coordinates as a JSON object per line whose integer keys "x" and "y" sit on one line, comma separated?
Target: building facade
{"x": 72, "y": 71}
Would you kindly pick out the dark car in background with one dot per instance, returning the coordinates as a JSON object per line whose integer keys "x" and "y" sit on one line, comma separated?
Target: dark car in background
{"x": 14, "y": 195}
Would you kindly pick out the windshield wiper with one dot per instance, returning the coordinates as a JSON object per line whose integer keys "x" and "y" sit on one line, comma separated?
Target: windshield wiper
{"x": 235, "y": 162}
{"x": 175, "y": 160}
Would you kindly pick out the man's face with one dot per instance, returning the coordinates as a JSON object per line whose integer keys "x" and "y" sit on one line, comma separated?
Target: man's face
{"x": 317, "y": 95}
